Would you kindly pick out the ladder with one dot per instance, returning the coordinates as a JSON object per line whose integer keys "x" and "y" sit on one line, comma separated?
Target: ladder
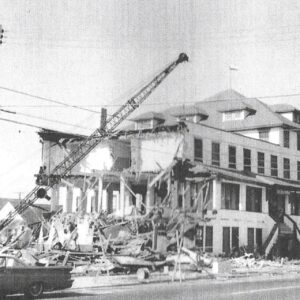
{"x": 86, "y": 146}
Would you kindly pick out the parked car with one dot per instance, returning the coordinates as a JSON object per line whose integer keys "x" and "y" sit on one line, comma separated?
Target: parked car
{"x": 18, "y": 277}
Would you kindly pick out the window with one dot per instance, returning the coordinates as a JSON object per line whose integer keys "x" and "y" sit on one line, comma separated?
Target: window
{"x": 226, "y": 240}
{"x": 296, "y": 117}
{"x": 298, "y": 170}
{"x": 260, "y": 163}
{"x": 143, "y": 124}
{"x": 207, "y": 236}
{"x": 250, "y": 239}
{"x": 198, "y": 150}
{"x": 233, "y": 115}
{"x": 247, "y": 160}
{"x": 264, "y": 134}
{"x": 195, "y": 190}
{"x": 274, "y": 166}
{"x": 235, "y": 238}
{"x": 232, "y": 157}
{"x": 295, "y": 204}
{"x": 209, "y": 239}
{"x": 253, "y": 199}
{"x": 286, "y": 139}
{"x": 298, "y": 141}
{"x": 230, "y": 196}
{"x": 215, "y": 154}
{"x": 259, "y": 239}
{"x": 199, "y": 237}
{"x": 286, "y": 168}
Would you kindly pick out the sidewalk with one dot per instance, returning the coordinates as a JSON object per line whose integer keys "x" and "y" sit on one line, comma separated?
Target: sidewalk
{"x": 156, "y": 277}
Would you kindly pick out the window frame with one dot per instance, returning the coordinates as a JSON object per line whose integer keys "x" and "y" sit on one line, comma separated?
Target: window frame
{"x": 286, "y": 138}
{"x": 260, "y": 162}
{"x": 227, "y": 202}
{"x": 253, "y": 193}
{"x": 286, "y": 168}
{"x": 231, "y": 157}
{"x": 274, "y": 165}
{"x": 247, "y": 159}
{"x": 196, "y": 157}
{"x": 215, "y": 154}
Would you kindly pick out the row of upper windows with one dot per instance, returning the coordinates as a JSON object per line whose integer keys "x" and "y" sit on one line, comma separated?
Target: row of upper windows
{"x": 247, "y": 163}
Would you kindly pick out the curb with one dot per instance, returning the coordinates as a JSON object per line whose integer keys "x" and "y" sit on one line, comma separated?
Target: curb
{"x": 131, "y": 280}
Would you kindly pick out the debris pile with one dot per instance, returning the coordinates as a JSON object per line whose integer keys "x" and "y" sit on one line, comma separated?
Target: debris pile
{"x": 106, "y": 244}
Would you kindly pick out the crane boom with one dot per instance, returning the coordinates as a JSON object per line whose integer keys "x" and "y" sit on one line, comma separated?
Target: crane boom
{"x": 87, "y": 145}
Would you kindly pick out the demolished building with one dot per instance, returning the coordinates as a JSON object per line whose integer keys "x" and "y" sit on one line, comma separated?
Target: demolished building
{"x": 231, "y": 162}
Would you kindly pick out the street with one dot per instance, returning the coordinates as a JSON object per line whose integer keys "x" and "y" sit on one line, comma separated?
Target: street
{"x": 271, "y": 289}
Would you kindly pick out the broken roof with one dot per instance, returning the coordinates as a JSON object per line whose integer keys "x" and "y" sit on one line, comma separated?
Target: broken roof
{"x": 149, "y": 116}
{"x": 55, "y": 136}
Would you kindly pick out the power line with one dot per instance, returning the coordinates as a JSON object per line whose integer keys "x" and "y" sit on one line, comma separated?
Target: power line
{"x": 44, "y": 119}
{"x": 47, "y": 99}
{"x": 159, "y": 103}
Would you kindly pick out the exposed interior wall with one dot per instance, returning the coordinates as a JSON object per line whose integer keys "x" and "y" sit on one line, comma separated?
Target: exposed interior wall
{"x": 113, "y": 154}
{"x": 155, "y": 152}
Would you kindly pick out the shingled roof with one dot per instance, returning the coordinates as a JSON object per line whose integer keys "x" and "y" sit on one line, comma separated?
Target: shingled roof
{"x": 262, "y": 115}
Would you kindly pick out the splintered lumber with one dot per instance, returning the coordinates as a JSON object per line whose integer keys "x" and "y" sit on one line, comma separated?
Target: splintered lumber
{"x": 128, "y": 261}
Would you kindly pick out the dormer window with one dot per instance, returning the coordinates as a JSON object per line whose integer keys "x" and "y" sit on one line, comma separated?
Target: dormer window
{"x": 233, "y": 115}
{"x": 188, "y": 113}
{"x": 237, "y": 111}
{"x": 148, "y": 120}
{"x": 143, "y": 124}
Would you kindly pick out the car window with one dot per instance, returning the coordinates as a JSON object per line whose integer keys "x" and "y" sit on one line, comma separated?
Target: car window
{"x": 2, "y": 262}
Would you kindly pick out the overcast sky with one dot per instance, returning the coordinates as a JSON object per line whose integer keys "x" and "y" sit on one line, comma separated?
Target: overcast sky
{"x": 95, "y": 53}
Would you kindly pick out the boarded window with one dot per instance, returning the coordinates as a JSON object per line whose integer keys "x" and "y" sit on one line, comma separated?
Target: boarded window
{"x": 247, "y": 160}
{"x": 274, "y": 166}
{"x": 215, "y": 154}
{"x": 226, "y": 240}
{"x": 198, "y": 150}
{"x": 230, "y": 196}
{"x": 235, "y": 238}
{"x": 260, "y": 163}
{"x": 209, "y": 239}
{"x": 232, "y": 157}
{"x": 253, "y": 199}
{"x": 286, "y": 168}
{"x": 250, "y": 239}
{"x": 286, "y": 139}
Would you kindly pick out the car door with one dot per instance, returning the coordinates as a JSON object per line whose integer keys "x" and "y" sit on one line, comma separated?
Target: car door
{"x": 6, "y": 277}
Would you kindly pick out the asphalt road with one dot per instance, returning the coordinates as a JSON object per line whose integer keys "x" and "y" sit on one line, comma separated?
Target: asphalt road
{"x": 276, "y": 289}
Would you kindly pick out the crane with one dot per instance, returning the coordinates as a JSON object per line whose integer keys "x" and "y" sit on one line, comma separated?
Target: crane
{"x": 87, "y": 145}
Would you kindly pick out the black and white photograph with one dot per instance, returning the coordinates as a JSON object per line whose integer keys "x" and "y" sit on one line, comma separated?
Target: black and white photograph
{"x": 150, "y": 149}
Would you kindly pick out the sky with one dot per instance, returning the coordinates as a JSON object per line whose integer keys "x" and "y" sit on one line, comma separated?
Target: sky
{"x": 96, "y": 53}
